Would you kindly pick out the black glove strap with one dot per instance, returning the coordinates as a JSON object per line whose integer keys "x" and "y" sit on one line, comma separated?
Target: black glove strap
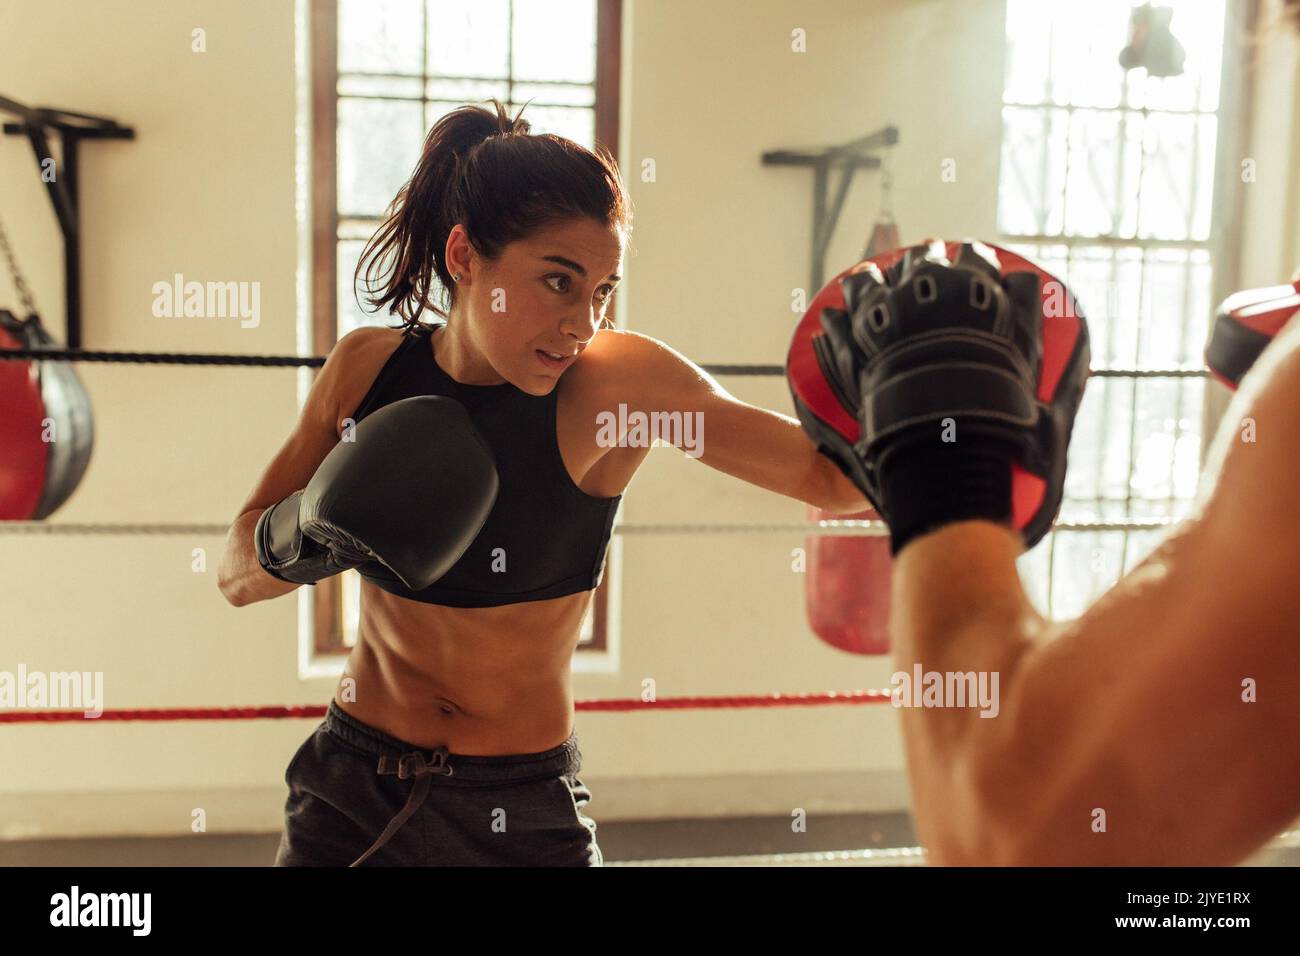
{"x": 928, "y": 485}
{"x": 286, "y": 553}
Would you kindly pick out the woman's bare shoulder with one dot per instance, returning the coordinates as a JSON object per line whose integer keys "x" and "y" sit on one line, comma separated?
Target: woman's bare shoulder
{"x": 617, "y": 355}
{"x": 360, "y": 355}
{"x": 368, "y": 337}
{"x": 639, "y": 366}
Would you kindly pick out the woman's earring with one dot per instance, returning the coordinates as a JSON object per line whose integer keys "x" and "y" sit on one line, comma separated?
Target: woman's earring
{"x": 455, "y": 277}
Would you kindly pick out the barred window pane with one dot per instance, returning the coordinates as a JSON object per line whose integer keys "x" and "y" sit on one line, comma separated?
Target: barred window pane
{"x": 555, "y": 94}
{"x": 1176, "y": 308}
{"x": 392, "y": 87}
{"x": 1106, "y": 173}
{"x": 1029, "y": 58}
{"x": 1031, "y": 187}
{"x": 1107, "y": 177}
{"x": 469, "y": 39}
{"x": 461, "y": 90}
{"x": 1105, "y": 161}
{"x": 1101, "y": 454}
{"x": 555, "y": 41}
{"x": 1135, "y": 452}
{"x": 435, "y": 110}
{"x": 1167, "y": 456}
{"x": 576, "y": 124}
{"x": 1178, "y": 179}
{"x": 351, "y": 314}
{"x": 1082, "y": 566}
{"x": 1062, "y": 53}
{"x": 378, "y": 143}
{"x": 380, "y": 36}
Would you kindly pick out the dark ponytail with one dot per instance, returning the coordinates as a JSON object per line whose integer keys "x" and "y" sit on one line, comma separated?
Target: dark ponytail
{"x": 491, "y": 174}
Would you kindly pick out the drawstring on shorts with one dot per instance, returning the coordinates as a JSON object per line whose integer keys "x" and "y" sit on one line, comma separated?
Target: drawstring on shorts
{"x": 409, "y": 765}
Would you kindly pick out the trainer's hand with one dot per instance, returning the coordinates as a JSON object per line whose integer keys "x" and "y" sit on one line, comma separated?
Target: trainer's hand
{"x": 411, "y": 490}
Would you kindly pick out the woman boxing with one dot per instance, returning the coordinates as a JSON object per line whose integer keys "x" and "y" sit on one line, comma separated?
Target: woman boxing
{"x": 450, "y": 736}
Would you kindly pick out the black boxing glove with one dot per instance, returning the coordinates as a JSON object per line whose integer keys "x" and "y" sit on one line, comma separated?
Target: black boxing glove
{"x": 411, "y": 491}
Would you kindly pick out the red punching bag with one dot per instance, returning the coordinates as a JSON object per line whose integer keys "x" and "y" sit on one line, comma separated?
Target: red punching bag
{"x": 46, "y": 431}
{"x": 846, "y": 587}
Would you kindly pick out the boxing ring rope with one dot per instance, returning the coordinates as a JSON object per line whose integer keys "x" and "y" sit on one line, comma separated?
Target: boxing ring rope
{"x": 316, "y": 361}
{"x": 832, "y": 527}
{"x": 598, "y": 705}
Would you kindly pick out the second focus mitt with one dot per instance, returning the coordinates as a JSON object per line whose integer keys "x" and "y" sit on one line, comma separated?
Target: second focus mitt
{"x": 1245, "y": 323}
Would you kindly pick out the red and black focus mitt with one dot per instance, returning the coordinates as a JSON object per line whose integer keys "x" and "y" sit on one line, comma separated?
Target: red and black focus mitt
{"x": 1245, "y": 323}
{"x": 944, "y": 380}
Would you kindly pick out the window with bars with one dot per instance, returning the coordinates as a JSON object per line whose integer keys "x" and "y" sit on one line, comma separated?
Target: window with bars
{"x": 1107, "y": 180}
{"x": 382, "y": 73}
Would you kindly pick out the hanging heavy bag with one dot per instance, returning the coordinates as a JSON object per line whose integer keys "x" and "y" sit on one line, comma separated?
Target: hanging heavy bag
{"x": 847, "y": 578}
{"x": 47, "y": 431}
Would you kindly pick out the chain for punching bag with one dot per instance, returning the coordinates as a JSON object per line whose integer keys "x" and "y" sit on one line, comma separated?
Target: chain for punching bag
{"x": 20, "y": 283}
{"x": 884, "y": 234}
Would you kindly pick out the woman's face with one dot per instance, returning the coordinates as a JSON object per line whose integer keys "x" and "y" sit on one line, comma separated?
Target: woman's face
{"x": 544, "y": 294}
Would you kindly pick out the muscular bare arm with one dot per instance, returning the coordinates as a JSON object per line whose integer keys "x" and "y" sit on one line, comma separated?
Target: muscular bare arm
{"x": 753, "y": 444}
{"x": 240, "y": 577}
{"x": 1141, "y": 709}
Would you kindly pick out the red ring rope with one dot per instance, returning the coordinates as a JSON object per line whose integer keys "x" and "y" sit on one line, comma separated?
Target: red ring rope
{"x": 317, "y": 710}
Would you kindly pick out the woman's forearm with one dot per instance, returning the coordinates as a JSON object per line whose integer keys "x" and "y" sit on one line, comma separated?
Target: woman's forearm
{"x": 240, "y": 578}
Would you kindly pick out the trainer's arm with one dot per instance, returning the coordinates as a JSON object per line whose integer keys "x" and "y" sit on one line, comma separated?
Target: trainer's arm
{"x": 240, "y": 577}
{"x": 1172, "y": 705}
{"x": 753, "y": 444}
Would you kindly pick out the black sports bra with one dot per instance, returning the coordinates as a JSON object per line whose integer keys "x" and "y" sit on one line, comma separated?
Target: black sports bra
{"x": 545, "y": 537}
